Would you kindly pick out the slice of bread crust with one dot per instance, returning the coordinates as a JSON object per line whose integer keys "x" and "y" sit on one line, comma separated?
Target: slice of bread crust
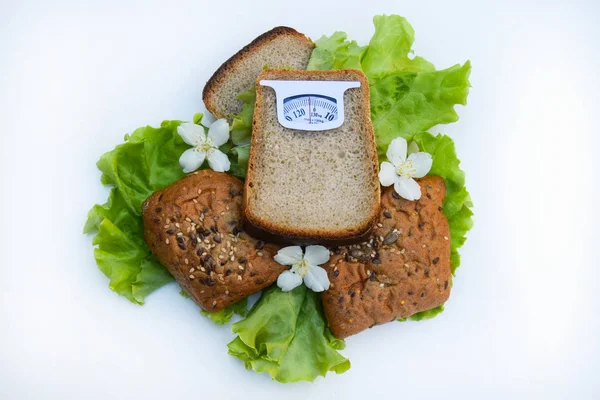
{"x": 281, "y": 47}
{"x": 307, "y": 187}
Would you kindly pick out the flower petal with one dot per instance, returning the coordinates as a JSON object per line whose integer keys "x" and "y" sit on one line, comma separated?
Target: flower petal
{"x": 191, "y": 160}
{"x": 316, "y": 255}
{"x": 316, "y": 279}
{"x": 289, "y": 255}
{"x": 421, "y": 162}
{"x": 207, "y": 120}
{"x": 407, "y": 188}
{"x": 387, "y": 174}
{"x": 413, "y": 147}
{"x": 288, "y": 280}
{"x": 219, "y": 132}
{"x": 218, "y": 161}
{"x": 396, "y": 151}
{"x": 191, "y": 133}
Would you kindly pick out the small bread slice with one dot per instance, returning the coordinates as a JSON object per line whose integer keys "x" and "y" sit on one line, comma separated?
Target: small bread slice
{"x": 312, "y": 187}
{"x": 281, "y": 47}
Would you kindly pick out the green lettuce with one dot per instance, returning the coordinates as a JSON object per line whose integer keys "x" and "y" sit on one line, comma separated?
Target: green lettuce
{"x": 239, "y": 160}
{"x": 335, "y": 52}
{"x": 224, "y": 316}
{"x": 387, "y": 52}
{"x": 148, "y": 161}
{"x": 286, "y": 336}
{"x": 405, "y": 103}
{"x": 390, "y": 46}
{"x": 241, "y": 127}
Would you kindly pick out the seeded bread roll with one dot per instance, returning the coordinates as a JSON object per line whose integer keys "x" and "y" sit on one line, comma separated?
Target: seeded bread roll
{"x": 193, "y": 227}
{"x": 281, "y": 47}
{"x": 312, "y": 187}
{"x": 402, "y": 269}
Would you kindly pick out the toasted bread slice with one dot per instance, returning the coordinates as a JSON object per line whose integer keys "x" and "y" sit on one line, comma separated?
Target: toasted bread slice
{"x": 281, "y": 47}
{"x": 312, "y": 187}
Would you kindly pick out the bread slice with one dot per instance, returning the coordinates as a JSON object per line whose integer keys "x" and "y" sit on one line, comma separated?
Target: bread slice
{"x": 281, "y": 47}
{"x": 312, "y": 187}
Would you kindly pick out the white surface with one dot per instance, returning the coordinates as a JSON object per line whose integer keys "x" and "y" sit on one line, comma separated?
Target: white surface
{"x": 523, "y": 318}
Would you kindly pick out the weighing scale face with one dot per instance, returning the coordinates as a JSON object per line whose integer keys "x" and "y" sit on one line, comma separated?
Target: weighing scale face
{"x": 310, "y": 105}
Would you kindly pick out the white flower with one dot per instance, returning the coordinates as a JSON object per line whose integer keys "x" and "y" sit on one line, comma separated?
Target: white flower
{"x": 401, "y": 170}
{"x": 304, "y": 266}
{"x": 204, "y": 146}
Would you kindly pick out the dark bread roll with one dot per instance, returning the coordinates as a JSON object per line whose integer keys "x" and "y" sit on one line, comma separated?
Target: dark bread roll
{"x": 194, "y": 228}
{"x": 404, "y": 268}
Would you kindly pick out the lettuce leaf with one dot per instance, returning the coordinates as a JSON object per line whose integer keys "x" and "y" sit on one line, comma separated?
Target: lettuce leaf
{"x": 335, "y": 52}
{"x": 148, "y": 161}
{"x": 286, "y": 336}
{"x": 405, "y": 103}
{"x": 241, "y": 127}
{"x": 239, "y": 156}
{"x": 387, "y": 52}
{"x": 427, "y": 314}
{"x": 390, "y": 46}
{"x": 224, "y": 316}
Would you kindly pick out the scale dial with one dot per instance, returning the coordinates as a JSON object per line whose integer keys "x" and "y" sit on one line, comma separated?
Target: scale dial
{"x": 310, "y": 109}
{"x": 310, "y": 105}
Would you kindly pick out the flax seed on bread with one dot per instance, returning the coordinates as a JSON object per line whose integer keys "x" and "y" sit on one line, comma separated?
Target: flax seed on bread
{"x": 281, "y": 47}
{"x": 312, "y": 187}
{"x": 404, "y": 268}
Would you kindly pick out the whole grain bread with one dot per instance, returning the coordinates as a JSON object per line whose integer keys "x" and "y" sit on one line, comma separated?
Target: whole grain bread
{"x": 402, "y": 269}
{"x": 193, "y": 227}
{"x": 281, "y": 47}
{"x": 312, "y": 187}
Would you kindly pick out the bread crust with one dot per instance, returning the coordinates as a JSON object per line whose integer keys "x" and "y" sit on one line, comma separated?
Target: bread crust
{"x": 208, "y": 93}
{"x": 269, "y": 231}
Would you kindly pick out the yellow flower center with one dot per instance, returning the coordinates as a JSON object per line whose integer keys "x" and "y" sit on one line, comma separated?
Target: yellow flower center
{"x": 204, "y": 147}
{"x": 301, "y": 268}
{"x": 406, "y": 169}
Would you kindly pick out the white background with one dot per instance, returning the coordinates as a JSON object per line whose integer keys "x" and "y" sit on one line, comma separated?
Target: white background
{"x": 523, "y": 318}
